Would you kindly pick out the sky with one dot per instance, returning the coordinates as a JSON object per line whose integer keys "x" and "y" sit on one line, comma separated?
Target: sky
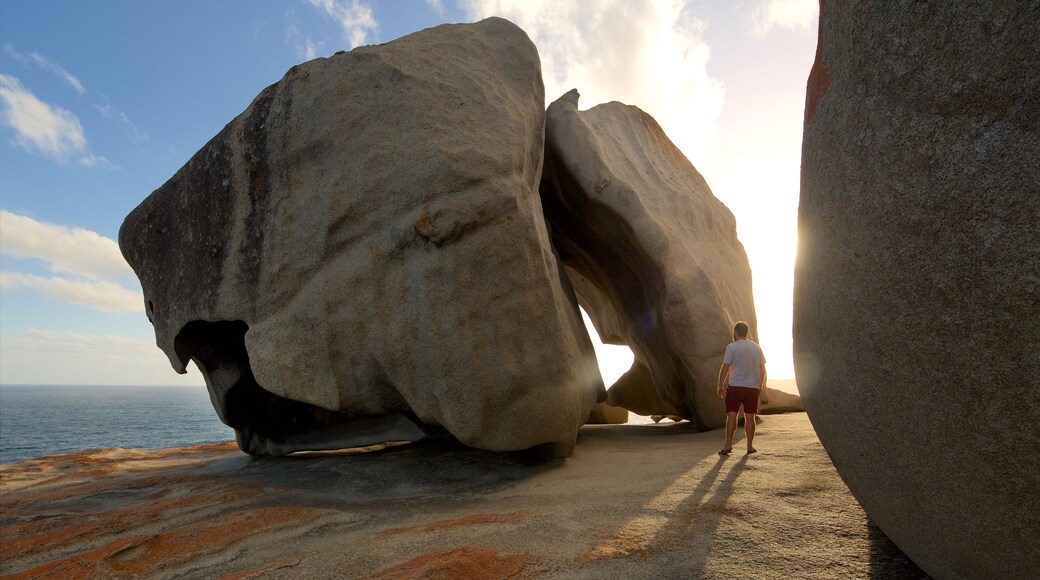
{"x": 102, "y": 102}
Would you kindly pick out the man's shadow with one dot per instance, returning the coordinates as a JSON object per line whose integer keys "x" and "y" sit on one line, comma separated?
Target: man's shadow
{"x": 700, "y": 514}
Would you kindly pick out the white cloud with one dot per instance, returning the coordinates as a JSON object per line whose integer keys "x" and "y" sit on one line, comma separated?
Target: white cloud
{"x": 47, "y": 64}
{"x": 86, "y": 359}
{"x": 48, "y": 129}
{"x": 306, "y": 49}
{"x": 647, "y": 53}
{"x": 353, "y": 16}
{"x": 797, "y": 15}
{"x": 90, "y": 269}
{"x": 291, "y": 30}
{"x": 437, "y": 6}
{"x": 67, "y": 250}
{"x": 310, "y": 49}
{"x": 100, "y": 295}
{"x": 101, "y": 161}
{"x": 135, "y": 133}
{"x": 90, "y": 343}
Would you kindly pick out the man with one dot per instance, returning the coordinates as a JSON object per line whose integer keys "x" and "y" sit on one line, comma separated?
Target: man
{"x": 742, "y": 381}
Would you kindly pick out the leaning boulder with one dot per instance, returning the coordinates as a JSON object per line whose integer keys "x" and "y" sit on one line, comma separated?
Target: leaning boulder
{"x": 635, "y": 390}
{"x": 361, "y": 255}
{"x": 632, "y": 216}
{"x": 918, "y": 275}
{"x": 604, "y": 414}
{"x": 777, "y": 401}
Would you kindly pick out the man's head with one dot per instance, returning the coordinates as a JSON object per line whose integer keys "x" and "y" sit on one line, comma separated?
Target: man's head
{"x": 740, "y": 330}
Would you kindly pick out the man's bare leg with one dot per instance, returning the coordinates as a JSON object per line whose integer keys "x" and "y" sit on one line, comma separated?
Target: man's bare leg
{"x": 731, "y": 428}
{"x": 749, "y": 431}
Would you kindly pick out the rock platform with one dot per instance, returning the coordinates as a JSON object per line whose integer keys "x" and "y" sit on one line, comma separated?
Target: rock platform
{"x": 632, "y": 501}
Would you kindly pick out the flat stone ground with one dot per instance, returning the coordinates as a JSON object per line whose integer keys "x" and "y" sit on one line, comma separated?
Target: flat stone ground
{"x": 633, "y": 501}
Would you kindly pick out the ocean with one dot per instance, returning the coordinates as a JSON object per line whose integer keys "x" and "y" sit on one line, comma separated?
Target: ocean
{"x": 40, "y": 420}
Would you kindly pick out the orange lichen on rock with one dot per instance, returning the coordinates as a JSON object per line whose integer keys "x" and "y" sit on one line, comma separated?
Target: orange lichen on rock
{"x": 473, "y": 520}
{"x": 710, "y": 510}
{"x": 15, "y": 504}
{"x": 99, "y": 463}
{"x": 279, "y": 564}
{"x": 463, "y": 563}
{"x": 39, "y": 535}
{"x": 646, "y": 537}
{"x": 147, "y": 554}
{"x": 120, "y": 455}
{"x": 636, "y": 539}
{"x": 624, "y": 545}
{"x": 425, "y": 226}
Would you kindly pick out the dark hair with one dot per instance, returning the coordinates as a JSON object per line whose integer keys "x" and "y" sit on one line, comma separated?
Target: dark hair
{"x": 740, "y": 328}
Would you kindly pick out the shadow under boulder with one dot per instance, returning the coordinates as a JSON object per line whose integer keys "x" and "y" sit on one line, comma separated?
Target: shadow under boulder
{"x": 265, "y": 423}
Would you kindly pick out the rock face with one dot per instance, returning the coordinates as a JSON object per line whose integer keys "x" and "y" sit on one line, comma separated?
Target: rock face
{"x": 331, "y": 260}
{"x": 919, "y": 273}
{"x": 632, "y": 216}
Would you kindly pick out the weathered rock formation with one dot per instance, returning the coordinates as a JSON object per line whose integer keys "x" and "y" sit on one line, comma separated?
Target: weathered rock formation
{"x": 632, "y": 216}
{"x": 361, "y": 255}
{"x": 918, "y": 276}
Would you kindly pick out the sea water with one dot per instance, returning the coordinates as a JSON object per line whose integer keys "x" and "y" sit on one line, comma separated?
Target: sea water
{"x": 40, "y": 420}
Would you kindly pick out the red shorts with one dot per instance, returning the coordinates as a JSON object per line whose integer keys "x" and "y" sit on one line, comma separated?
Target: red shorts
{"x": 737, "y": 396}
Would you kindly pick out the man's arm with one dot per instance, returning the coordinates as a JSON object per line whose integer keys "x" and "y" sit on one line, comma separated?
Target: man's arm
{"x": 723, "y": 377}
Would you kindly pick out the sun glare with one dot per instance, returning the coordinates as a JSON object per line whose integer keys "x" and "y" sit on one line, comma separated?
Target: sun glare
{"x": 614, "y": 360}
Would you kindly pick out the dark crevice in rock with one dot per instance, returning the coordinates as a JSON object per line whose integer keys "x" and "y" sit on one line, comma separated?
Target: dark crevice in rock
{"x": 258, "y": 172}
{"x": 600, "y": 245}
{"x": 265, "y": 423}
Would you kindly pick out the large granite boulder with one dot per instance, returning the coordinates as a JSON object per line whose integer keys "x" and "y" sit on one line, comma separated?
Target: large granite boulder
{"x": 632, "y": 216}
{"x": 361, "y": 255}
{"x": 918, "y": 275}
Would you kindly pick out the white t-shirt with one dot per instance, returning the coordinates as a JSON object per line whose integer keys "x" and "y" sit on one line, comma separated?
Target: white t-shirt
{"x": 745, "y": 359}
